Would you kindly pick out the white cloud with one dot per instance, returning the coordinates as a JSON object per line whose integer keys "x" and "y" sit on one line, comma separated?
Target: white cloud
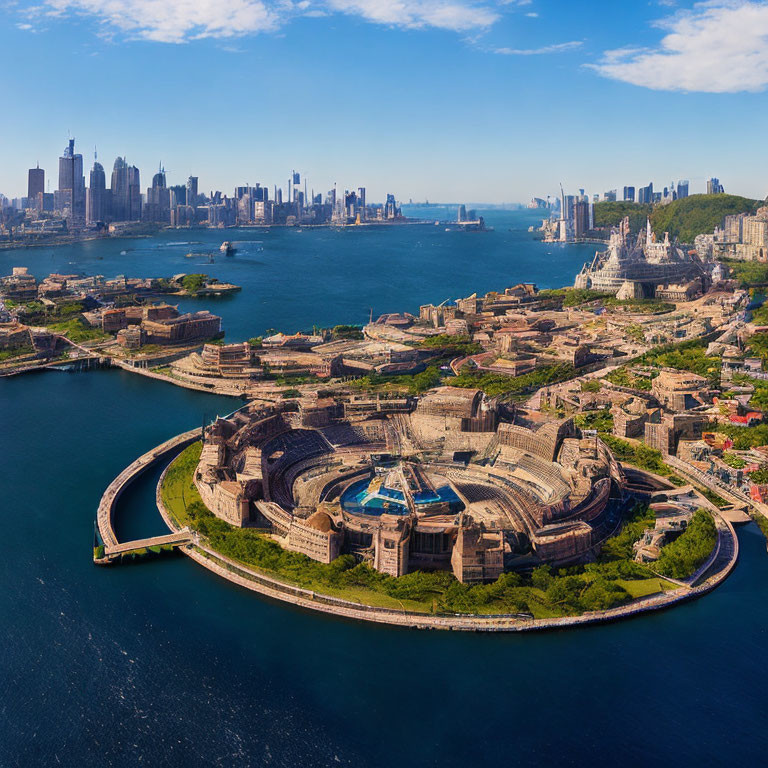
{"x": 557, "y": 48}
{"x": 717, "y": 47}
{"x": 177, "y": 21}
{"x": 443, "y": 14}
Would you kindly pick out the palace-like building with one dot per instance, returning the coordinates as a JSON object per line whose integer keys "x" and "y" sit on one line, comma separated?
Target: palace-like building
{"x": 453, "y": 481}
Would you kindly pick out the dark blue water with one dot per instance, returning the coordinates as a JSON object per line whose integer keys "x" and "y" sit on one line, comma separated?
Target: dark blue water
{"x": 163, "y": 664}
{"x": 294, "y": 278}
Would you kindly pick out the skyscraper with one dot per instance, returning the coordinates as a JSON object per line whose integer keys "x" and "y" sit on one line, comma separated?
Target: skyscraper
{"x": 714, "y": 187}
{"x": 134, "y": 193}
{"x": 119, "y": 187}
{"x": 682, "y": 189}
{"x": 581, "y": 218}
{"x": 36, "y": 188}
{"x": 192, "y": 191}
{"x": 361, "y": 202}
{"x": 629, "y": 194}
{"x": 126, "y": 192}
{"x": 71, "y": 192}
{"x": 96, "y": 197}
{"x": 158, "y": 207}
{"x": 645, "y": 194}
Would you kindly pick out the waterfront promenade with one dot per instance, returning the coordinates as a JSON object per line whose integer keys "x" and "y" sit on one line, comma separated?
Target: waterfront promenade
{"x": 712, "y": 573}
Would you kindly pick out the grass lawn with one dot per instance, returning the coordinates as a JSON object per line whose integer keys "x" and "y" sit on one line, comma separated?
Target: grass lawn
{"x": 178, "y": 490}
{"x": 645, "y": 587}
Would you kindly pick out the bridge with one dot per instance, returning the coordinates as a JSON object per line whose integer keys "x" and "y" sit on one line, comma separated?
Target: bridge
{"x": 114, "y": 549}
{"x": 184, "y": 536}
{"x": 105, "y": 515}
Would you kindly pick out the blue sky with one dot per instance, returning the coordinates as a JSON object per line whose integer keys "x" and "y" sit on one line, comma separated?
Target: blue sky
{"x": 451, "y": 100}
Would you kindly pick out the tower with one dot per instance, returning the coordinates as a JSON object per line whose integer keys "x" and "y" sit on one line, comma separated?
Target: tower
{"x": 96, "y": 194}
{"x": 71, "y": 192}
{"x": 35, "y": 187}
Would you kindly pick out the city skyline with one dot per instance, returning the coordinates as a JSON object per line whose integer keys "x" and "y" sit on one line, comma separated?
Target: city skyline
{"x": 45, "y": 180}
{"x": 490, "y": 92}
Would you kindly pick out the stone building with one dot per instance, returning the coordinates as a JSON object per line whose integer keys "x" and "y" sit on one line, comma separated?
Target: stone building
{"x": 680, "y": 390}
{"x": 446, "y": 482}
{"x": 478, "y": 554}
{"x": 664, "y": 431}
{"x": 14, "y": 336}
{"x": 228, "y": 360}
{"x": 315, "y": 537}
{"x": 629, "y": 417}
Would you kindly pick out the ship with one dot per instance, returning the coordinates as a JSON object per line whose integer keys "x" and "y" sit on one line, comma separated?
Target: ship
{"x": 227, "y": 248}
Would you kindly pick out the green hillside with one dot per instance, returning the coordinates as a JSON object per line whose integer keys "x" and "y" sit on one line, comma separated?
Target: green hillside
{"x": 610, "y": 214}
{"x": 698, "y": 214}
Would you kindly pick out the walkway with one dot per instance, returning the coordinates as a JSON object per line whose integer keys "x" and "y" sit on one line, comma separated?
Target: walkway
{"x": 105, "y": 514}
{"x": 180, "y": 539}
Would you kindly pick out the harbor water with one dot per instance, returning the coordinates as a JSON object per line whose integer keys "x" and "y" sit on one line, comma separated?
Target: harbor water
{"x": 164, "y": 664}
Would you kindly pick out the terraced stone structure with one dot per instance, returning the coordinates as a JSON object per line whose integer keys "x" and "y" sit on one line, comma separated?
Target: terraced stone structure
{"x": 453, "y": 481}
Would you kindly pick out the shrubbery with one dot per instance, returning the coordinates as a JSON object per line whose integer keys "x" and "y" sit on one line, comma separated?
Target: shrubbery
{"x": 498, "y": 384}
{"x": 451, "y": 346}
{"x": 681, "y": 558}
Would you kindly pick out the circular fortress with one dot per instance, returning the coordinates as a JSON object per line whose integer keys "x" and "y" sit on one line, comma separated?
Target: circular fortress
{"x": 451, "y": 481}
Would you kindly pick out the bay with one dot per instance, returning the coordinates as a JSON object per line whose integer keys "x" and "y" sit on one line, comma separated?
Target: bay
{"x": 164, "y": 664}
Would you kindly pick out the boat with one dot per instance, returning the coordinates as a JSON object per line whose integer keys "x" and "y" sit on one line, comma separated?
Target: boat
{"x": 227, "y": 248}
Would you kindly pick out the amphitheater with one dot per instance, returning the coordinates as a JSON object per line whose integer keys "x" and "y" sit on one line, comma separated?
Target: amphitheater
{"x": 452, "y": 481}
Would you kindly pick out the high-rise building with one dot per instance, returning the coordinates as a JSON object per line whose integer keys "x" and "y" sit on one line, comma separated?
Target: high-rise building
{"x": 581, "y": 218}
{"x": 714, "y": 187}
{"x": 134, "y": 193}
{"x": 119, "y": 186}
{"x": 192, "y": 197}
{"x": 566, "y": 205}
{"x": 629, "y": 194}
{"x": 35, "y": 188}
{"x": 71, "y": 192}
{"x": 682, "y": 189}
{"x": 126, "y": 192}
{"x": 158, "y": 206}
{"x": 96, "y": 197}
{"x": 178, "y": 193}
{"x": 361, "y": 201}
{"x": 645, "y": 194}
